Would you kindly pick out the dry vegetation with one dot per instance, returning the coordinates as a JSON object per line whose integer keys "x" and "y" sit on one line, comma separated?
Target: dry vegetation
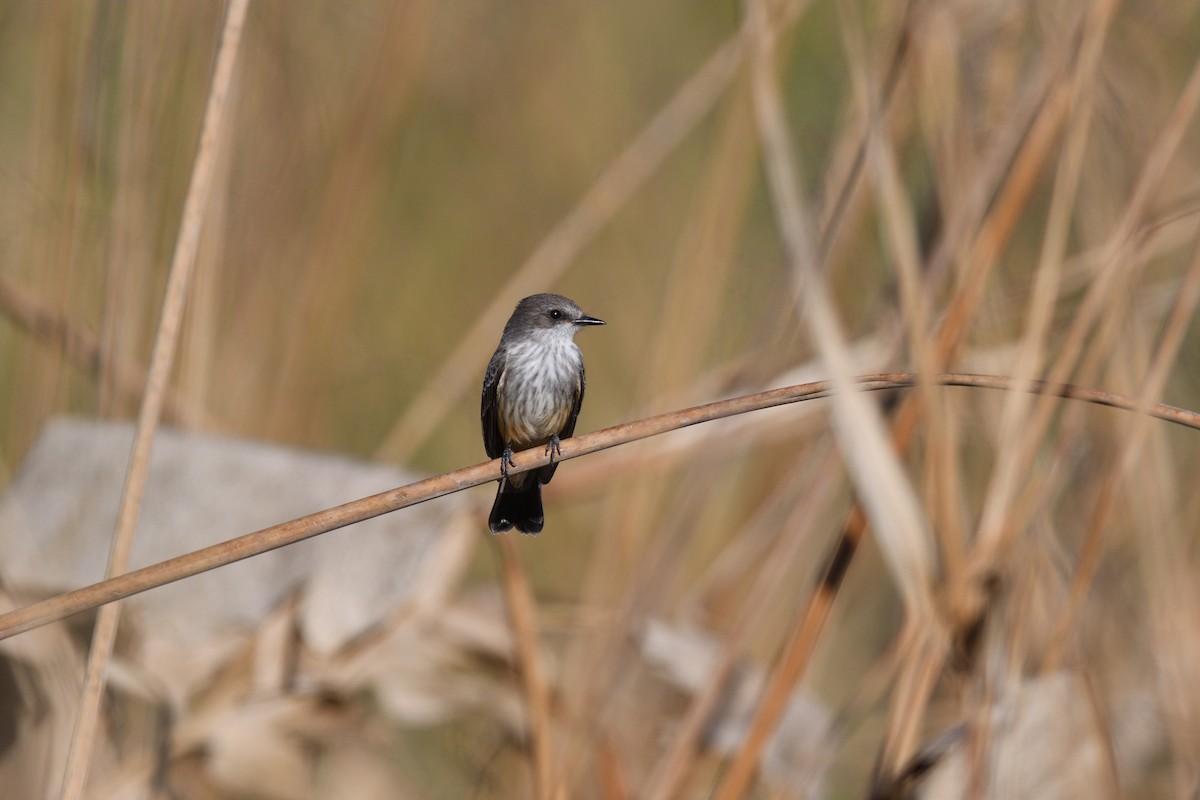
{"x": 1001, "y": 604}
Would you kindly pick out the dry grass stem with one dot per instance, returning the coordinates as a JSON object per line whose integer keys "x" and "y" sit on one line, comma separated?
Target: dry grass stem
{"x": 902, "y": 532}
{"x": 794, "y": 660}
{"x": 82, "y": 348}
{"x": 161, "y": 361}
{"x": 252, "y": 544}
{"x": 1120, "y": 253}
{"x": 672, "y": 770}
{"x": 1029, "y": 362}
{"x": 1131, "y": 450}
{"x": 522, "y": 617}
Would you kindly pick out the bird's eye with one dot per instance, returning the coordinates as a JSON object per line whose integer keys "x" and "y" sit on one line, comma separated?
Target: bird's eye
{"x": 555, "y": 314}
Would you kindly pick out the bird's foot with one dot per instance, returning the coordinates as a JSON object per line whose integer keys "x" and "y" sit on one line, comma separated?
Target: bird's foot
{"x": 552, "y": 448}
{"x": 506, "y": 461}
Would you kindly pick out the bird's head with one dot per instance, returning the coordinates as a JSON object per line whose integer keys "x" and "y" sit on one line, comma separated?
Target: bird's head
{"x": 549, "y": 314}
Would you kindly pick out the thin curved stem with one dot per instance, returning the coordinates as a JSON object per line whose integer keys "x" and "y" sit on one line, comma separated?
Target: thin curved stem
{"x": 252, "y": 544}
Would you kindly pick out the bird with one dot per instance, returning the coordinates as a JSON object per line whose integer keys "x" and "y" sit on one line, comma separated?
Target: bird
{"x": 532, "y": 391}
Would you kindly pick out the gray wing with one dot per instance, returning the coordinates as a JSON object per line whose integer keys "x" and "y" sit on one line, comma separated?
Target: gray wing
{"x": 489, "y": 409}
{"x": 546, "y": 473}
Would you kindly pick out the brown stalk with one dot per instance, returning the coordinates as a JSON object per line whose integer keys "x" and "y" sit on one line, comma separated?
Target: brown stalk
{"x": 900, "y": 227}
{"x": 743, "y": 557}
{"x": 983, "y": 256}
{"x": 996, "y": 229}
{"x": 162, "y": 358}
{"x": 794, "y": 660}
{"x": 82, "y": 348}
{"x": 927, "y": 650}
{"x": 885, "y": 494}
{"x": 323, "y": 295}
{"x": 686, "y": 324}
{"x": 890, "y": 501}
{"x": 994, "y": 531}
{"x": 673, "y": 768}
{"x": 1131, "y": 448}
{"x": 276, "y": 536}
{"x": 522, "y": 616}
{"x": 614, "y": 783}
{"x": 1030, "y": 359}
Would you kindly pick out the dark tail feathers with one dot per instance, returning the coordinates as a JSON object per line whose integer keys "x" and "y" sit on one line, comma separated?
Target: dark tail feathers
{"x": 517, "y": 507}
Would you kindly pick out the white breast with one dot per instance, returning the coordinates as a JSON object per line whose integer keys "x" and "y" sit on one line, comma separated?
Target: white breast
{"x": 538, "y": 388}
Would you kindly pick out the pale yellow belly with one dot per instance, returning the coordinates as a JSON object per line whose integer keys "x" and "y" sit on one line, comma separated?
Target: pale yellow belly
{"x": 520, "y": 431}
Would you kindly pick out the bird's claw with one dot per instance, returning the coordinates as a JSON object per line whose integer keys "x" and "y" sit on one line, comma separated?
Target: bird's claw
{"x": 506, "y": 461}
{"x": 552, "y": 448}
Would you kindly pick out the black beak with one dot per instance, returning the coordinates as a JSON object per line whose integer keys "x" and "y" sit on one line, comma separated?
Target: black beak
{"x": 586, "y": 320}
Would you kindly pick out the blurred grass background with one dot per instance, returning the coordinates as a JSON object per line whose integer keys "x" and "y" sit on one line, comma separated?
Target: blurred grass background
{"x": 389, "y": 166}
